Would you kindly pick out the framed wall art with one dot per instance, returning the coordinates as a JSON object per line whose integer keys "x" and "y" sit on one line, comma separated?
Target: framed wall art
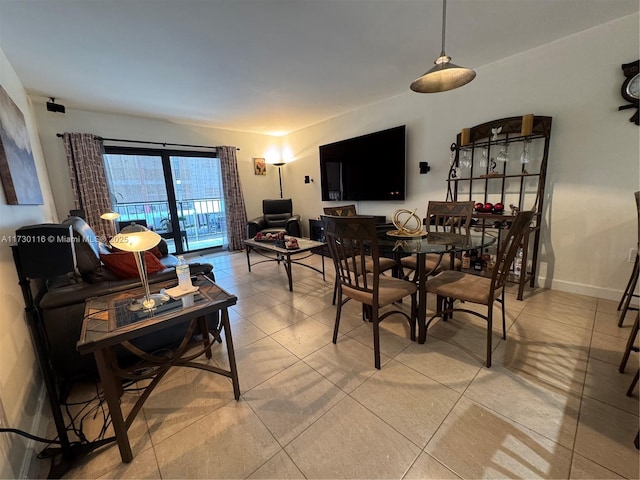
{"x": 17, "y": 166}
{"x": 259, "y": 166}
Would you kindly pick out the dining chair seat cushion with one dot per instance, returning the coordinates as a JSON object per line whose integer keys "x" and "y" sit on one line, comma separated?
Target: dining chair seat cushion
{"x": 384, "y": 264}
{"x": 463, "y": 286}
{"x": 432, "y": 263}
{"x": 390, "y": 290}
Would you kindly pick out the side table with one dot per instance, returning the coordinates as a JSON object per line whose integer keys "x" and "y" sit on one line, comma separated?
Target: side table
{"x": 109, "y": 323}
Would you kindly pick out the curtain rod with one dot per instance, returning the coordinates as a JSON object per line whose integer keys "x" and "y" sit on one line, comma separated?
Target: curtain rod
{"x": 164, "y": 144}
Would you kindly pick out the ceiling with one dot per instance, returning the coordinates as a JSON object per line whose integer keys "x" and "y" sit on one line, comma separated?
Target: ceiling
{"x": 264, "y": 66}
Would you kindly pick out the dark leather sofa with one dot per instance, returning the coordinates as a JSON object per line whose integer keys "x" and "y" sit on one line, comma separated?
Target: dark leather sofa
{"x": 277, "y": 216}
{"x": 61, "y": 309}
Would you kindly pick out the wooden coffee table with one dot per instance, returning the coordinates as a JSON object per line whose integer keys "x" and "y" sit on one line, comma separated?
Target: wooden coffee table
{"x": 277, "y": 253}
{"x": 109, "y": 323}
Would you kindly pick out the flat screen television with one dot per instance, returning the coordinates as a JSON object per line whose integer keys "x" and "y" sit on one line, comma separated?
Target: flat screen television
{"x": 370, "y": 167}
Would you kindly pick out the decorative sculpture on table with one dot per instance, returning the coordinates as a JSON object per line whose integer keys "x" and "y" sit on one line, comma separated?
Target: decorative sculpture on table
{"x": 408, "y": 224}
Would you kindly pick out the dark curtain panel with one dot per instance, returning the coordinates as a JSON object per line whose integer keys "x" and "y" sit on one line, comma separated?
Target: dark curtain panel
{"x": 88, "y": 180}
{"x": 233, "y": 198}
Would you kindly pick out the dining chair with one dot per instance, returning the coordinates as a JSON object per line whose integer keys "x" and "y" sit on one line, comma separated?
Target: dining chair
{"x": 385, "y": 264}
{"x": 454, "y": 217}
{"x": 481, "y": 290}
{"x": 353, "y": 243}
{"x": 625, "y": 302}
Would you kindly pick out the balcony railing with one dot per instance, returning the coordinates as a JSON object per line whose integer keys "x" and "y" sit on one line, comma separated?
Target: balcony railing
{"x": 203, "y": 220}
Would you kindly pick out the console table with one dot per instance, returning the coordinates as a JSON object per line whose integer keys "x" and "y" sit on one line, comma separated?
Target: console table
{"x": 109, "y": 323}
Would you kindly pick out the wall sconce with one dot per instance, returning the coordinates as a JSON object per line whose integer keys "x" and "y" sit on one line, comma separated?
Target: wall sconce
{"x": 424, "y": 167}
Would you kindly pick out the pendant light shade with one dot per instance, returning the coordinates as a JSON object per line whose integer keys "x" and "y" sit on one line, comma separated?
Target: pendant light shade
{"x": 444, "y": 75}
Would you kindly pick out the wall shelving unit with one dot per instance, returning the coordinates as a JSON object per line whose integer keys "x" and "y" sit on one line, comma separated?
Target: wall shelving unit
{"x": 478, "y": 173}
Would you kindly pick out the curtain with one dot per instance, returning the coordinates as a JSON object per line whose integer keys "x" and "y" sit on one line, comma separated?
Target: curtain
{"x": 236, "y": 214}
{"x": 88, "y": 180}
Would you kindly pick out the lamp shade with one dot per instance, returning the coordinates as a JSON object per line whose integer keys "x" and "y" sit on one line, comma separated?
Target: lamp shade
{"x": 140, "y": 241}
{"x": 442, "y": 77}
{"x": 109, "y": 215}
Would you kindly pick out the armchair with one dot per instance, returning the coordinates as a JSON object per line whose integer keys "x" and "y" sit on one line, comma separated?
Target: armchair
{"x": 277, "y": 216}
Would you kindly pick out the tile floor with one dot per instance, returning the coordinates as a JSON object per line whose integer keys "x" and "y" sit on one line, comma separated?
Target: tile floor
{"x": 553, "y": 404}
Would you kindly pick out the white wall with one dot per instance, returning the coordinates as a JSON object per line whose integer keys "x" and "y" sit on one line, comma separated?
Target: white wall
{"x": 593, "y": 169}
{"x": 255, "y": 187}
{"x": 20, "y": 382}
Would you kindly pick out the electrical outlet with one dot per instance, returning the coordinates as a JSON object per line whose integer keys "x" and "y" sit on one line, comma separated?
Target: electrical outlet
{"x": 632, "y": 255}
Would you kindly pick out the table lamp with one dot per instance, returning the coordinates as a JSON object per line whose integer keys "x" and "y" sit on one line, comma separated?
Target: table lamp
{"x": 137, "y": 239}
{"x": 111, "y": 215}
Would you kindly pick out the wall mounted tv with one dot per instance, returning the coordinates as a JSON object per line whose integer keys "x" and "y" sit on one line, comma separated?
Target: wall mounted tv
{"x": 370, "y": 167}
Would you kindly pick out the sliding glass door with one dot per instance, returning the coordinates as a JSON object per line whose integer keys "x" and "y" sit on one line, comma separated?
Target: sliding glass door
{"x": 177, "y": 194}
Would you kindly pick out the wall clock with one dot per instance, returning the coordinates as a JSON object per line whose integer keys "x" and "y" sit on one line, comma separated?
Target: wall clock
{"x": 630, "y": 90}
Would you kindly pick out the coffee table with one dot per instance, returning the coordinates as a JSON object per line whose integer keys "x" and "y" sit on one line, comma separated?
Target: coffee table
{"x": 277, "y": 252}
{"x": 109, "y": 323}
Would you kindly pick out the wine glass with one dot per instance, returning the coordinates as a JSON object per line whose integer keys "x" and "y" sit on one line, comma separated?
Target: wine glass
{"x": 503, "y": 156}
{"x": 524, "y": 158}
{"x": 466, "y": 161}
{"x": 483, "y": 159}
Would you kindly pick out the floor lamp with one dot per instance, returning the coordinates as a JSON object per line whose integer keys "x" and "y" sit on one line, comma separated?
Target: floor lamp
{"x": 280, "y": 165}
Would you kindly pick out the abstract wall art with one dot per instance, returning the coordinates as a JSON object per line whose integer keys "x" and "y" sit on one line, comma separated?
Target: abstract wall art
{"x": 17, "y": 166}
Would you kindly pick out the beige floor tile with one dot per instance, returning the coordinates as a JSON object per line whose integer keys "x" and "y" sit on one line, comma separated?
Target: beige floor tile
{"x": 396, "y": 390}
{"x": 495, "y": 447}
{"x": 304, "y": 337}
{"x": 351, "y": 442}
{"x": 584, "y": 469}
{"x": 231, "y": 442}
{"x": 576, "y": 315}
{"x": 276, "y": 318}
{"x": 546, "y": 329}
{"x": 427, "y": 467}
{"x": 313, "y": 303}
{"x": 142, "y": 466}
{"x": 605, "y": 436}
{"x": 606, "y": 384}
{"x": 259, "y": 361}
{"x": 607, "y": 348}
{"x": 546, "y": 296}
{"x": 243, "y": 333}
{"x": 346, "y": 364}
{"x": 390, "y": 342}
{"x": 256, "y": 303}
{"x": 279, "y": 466}
{"x": 543, "y": 362}
{"x": 536, "y": 405}
{"x": 608, "y": 323}
{"x": 466, "y": 332}
{"x": 106, "y": 459}
{"x": 292, "y": 400}
{"x": 350, "y": 316}
{"x": 443, "y": 362}
{"x": 184, "y": 396}
{"x": 607, "y": 306}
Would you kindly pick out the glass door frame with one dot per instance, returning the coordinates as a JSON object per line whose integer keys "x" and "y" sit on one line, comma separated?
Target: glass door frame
{"x": 165, "y": 157}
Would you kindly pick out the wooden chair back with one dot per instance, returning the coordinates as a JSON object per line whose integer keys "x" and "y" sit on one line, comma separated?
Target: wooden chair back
{"x": 449, "y": 216}
{"x": 351, "y": 241}
{"x": 344, "y": 211}
{"x": 509, "y": 249}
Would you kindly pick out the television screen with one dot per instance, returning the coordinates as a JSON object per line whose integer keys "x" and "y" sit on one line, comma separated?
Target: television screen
{"x": 370, "y": 167}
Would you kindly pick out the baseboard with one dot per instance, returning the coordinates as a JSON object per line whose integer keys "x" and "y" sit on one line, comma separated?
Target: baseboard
{"x": 581, "y": 289}
{"x": 39, "y": 426}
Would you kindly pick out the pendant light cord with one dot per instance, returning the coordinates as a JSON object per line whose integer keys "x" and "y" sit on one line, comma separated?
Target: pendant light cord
{"x": 444, "y": 24}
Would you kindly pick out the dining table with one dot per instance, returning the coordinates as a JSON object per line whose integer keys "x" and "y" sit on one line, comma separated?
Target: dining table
{"x": 445, "y": 244}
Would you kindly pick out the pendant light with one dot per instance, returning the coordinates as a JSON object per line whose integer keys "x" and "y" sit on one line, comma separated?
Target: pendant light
{"x": 445, "y": 75}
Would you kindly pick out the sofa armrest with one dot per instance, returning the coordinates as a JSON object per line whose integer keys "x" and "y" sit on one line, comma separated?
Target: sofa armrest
{"x": 293, "y": 226}
{"x": 79, "y": 292}
{"x": 254, "y": 226}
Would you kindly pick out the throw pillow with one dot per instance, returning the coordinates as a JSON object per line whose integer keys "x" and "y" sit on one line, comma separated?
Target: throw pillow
{"x": 124, "y": 265}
